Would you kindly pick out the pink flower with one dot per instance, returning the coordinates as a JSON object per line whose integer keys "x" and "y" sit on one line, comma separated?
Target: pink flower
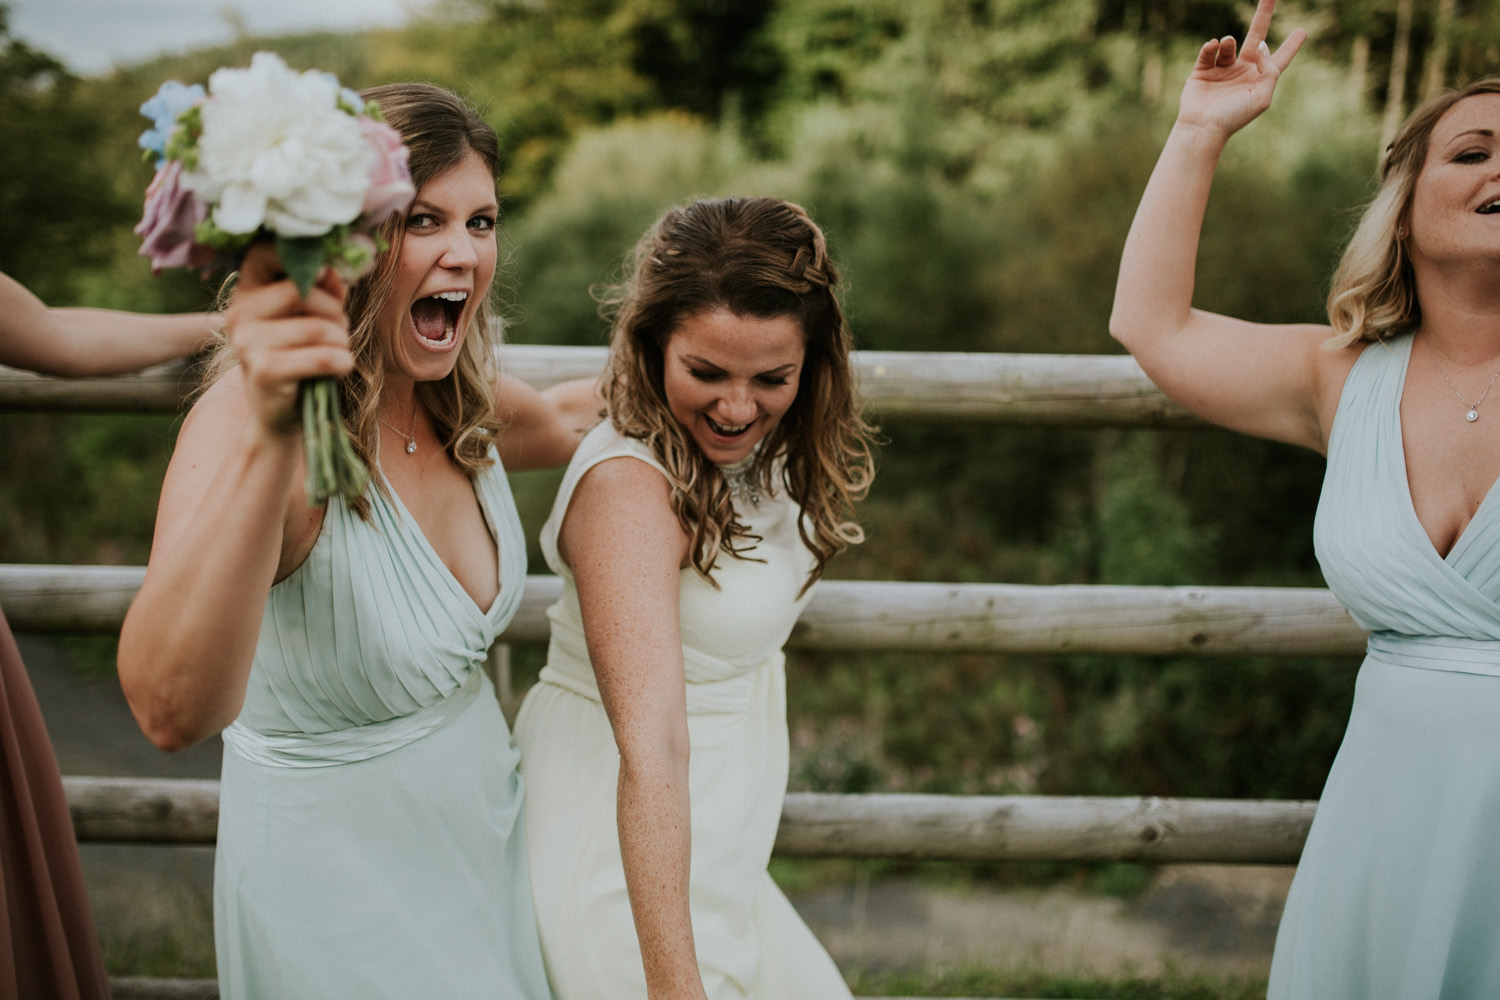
{"x": 171, "y": 217}
{"x": 391, "y": 189}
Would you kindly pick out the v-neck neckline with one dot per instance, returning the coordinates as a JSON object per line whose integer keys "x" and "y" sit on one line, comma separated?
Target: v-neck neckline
{"x": 1461, "y": 542}
{"x": 453, "y": 581}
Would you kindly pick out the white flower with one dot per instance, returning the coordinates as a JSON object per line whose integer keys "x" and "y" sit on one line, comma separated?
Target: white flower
{"x": 276, "y": 151}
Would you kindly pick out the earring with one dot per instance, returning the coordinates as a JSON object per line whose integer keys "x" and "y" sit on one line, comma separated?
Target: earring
{"x": 1400, "y": 232}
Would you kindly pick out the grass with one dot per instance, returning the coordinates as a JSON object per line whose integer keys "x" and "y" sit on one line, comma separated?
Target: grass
{"x": 984, "y": 982}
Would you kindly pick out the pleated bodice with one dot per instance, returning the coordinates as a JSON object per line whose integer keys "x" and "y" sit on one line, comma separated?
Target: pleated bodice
{"x": 370, "y": 630}
{"x": 1375, "y": 554}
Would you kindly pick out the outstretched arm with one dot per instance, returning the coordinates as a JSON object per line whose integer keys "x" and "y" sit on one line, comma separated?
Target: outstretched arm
{"x": 82, "y": 342}
{"x": 541, "y": 430}
{"x": 232, "y": 518}
{"x": 625, "y": 548}
{"x": 1263, "y": 380}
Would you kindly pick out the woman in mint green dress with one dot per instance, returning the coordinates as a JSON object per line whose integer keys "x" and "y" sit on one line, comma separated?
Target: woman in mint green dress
{"x": 370, "y": 843}
{"x": 1397, "y": 894}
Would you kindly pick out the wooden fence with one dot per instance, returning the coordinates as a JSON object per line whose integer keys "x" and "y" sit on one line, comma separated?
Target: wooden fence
{"x": 997, "y": 618}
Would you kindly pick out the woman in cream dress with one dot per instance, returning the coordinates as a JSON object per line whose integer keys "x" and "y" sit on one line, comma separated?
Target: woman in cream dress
{"x": 688, "y": 532}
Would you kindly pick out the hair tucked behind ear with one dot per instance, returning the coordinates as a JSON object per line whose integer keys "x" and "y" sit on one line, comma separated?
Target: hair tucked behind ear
{"x": 1373, "y": 294}
{"x": 441, "y": 131}
{"x": 761, "y": 258}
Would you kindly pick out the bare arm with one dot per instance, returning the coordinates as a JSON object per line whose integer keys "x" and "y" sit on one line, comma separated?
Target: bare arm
{"x": 81, "y": 342}
{"x": 232, "y": 513}
{"x": 625, "y": 548}
{"x": 1271, "y": 381}
{"x": 542, "y": 429}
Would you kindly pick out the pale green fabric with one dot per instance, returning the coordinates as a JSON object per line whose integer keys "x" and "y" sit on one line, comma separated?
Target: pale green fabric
{"x": 750, "y": 942}
{"x": 1397, "y": 896}
{"x": 370, "y": 842}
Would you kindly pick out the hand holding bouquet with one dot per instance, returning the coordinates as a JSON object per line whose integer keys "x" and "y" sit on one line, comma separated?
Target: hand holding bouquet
{"x": 270, "y": 153}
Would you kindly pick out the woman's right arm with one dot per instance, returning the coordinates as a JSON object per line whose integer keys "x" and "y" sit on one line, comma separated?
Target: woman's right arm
{"x": 625, "y": 549}
{"x": 231, "y": 512}
{"x": 1262, "y": 380}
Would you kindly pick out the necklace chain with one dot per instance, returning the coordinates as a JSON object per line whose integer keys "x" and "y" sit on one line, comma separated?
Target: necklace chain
{"x": 1473, "y": 413}
{"x": 411, "y": 439}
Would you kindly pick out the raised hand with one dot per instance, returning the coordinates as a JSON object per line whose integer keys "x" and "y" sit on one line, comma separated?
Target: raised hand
{"x": 1229, "y": 86}
{"x": 282, "y": 338}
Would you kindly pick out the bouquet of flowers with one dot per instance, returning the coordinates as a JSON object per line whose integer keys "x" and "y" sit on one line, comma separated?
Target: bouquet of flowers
{"x": 270, "y": 153}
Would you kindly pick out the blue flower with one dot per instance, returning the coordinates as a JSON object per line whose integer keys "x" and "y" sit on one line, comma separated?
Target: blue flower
{"x": 349, "y": 99}
{"x": 170, "y": 101}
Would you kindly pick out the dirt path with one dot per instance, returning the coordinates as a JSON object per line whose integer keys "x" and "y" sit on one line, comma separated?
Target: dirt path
{"x": 1198, "y": 918}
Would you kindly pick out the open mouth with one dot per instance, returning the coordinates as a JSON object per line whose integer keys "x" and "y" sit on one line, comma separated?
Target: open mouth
{"x": 726, "y": 430}
{"x": 1490, "y": 208}
{"x": 436, "y": 317}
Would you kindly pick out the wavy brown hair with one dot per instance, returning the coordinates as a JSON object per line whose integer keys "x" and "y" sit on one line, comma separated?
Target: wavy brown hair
{"x": 1373, "y": 295}
{"x": 761, "y": 258}
{"x": 440, "y": 130}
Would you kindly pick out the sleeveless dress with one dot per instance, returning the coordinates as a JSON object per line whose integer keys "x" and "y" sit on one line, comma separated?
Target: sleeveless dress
{"x": 48, "y": 944}
{"x": 750, "y": 942}
{"x": 370, "y": 842}
{"x": 1398, "y": 891}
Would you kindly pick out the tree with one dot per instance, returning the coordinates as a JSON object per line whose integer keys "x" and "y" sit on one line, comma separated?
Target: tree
{"x": 57, "y": 200}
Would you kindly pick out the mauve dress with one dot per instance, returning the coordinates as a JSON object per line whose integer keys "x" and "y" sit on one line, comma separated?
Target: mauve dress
{"x": 50, "y": 948}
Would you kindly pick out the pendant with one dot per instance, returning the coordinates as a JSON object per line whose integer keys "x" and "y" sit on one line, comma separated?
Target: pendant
{"x": 411, "y": 446}
{"x": 1472, "y": 415}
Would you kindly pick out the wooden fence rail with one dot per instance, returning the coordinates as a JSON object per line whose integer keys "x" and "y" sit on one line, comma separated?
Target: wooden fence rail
{"x": 1060, "y": 390}
{"x": 1017, "y": 389}
{"x": 873, "y": 615}
{"x": 913, "y": 827}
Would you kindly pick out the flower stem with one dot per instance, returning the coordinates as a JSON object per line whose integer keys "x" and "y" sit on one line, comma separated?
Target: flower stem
{"x": 333, "y": 467}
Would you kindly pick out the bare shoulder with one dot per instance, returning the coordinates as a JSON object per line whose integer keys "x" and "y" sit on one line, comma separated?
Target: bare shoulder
{"x": 623, "y": 489}
{"x": 622, "y": 504}
{"x": 217, "y": 421}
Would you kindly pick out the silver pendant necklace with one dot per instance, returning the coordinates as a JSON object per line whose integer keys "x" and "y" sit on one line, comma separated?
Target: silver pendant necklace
{"x": 1473, "y": 413}
{"x": 742, "y": 485}
{"x": 411, "y": 439}
{"x": 741, "y": 478}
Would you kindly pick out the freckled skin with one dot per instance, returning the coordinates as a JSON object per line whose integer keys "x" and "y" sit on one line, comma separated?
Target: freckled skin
{"x": 726, "y": 372}
{"x": 728, "y": 380}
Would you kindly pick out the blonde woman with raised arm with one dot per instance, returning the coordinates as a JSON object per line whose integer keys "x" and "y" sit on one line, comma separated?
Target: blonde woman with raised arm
{"x": 52, "y": 948}
{"x": 688, "y": 532}
{"x": 1398, "y": 891}
{"x": 370, "y": 843}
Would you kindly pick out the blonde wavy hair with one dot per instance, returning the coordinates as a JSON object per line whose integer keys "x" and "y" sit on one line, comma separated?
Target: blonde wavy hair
{"x": 1373, "y": 295}
{"x": 441, "y": 130}
{"x": 761, "y": 258}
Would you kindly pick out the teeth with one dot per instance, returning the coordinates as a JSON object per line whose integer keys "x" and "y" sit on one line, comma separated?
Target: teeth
{"x": 726, "y": 429}
{"x": 452, "y": 296}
